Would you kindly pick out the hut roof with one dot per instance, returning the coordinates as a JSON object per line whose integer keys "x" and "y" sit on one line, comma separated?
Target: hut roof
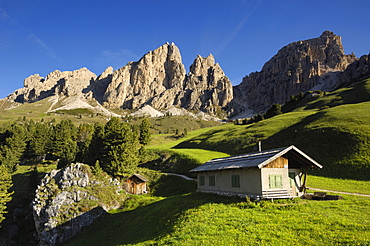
{"x": 258, "y": 159}
{"x": 139, "y": 176}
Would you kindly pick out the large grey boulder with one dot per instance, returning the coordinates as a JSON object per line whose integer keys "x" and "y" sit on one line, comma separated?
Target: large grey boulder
{"x": 65, "y": 203}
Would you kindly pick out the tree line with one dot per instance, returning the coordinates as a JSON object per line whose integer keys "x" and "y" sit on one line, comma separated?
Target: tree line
{"x": 115, "y": 147}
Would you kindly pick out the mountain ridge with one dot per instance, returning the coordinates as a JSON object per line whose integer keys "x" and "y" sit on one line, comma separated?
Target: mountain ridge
{"x": 159, "y": 79}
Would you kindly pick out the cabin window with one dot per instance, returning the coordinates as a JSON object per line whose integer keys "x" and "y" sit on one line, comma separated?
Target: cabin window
{"x": 235, "y": 180}
{"x": 212, "y": 180}
{"x": 275, "y": 181}
{"x": 201, "y": 180}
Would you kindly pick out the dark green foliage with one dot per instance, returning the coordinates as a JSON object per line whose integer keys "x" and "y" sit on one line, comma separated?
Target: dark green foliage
{"x": 39, "y": 140}
{"x": 84, "y": 137}
{"x": 95, "y": 150}
{"x": 64, "y": 146}
{"x": 12, "y": 146}
{"x": 120, "y": 150}
{"x": 144, "y": 129}
{"x": 275, "y": 109}
{"x": 5, "y": 195}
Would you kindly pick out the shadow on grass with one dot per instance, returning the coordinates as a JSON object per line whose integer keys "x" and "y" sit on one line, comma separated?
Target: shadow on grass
{"x": 19, "y": 225}
{"x": 144, "y": 224}
{"x": 327, "y": 145}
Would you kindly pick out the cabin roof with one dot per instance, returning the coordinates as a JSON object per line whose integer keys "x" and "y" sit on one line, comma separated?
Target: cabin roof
{"x": 257, "y": 159}
{"x": 139, "y": 176}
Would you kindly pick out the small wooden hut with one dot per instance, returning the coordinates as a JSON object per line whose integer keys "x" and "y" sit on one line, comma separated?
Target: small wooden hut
{"x": 136, "y": 184}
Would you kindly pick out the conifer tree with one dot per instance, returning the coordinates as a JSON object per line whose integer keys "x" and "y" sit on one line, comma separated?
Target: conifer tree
{"x": 120, "y": 147}
{"x": 39, "y": 140}
{"x": 5, "y": 195}
{"x": 144, "y": 129}
{"x": 64, "y": 144}
{"x": 12, "y": 146}
{"x": 84, "y": 137}
{"x": 95, "y": 150}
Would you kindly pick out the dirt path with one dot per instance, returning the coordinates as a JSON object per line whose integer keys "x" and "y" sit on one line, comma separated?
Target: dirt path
{"x": 180, "y": 175}
{"x": 340, "y": 192}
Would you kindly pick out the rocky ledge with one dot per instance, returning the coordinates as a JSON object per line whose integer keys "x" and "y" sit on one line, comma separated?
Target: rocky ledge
{"x": 69, "y": 199}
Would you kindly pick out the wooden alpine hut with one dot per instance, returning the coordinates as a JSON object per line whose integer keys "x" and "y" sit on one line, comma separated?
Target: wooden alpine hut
{"x": 136, "y": 184}
{"x": 270, "y": 174}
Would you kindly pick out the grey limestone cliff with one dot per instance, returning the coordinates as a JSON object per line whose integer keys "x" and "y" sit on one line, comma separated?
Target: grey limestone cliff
{"x": 296, "y": 68}
{"x": 67, "y": 200}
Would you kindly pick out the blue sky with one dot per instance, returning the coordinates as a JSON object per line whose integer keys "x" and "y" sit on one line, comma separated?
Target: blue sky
{"x": 40, "y": 36}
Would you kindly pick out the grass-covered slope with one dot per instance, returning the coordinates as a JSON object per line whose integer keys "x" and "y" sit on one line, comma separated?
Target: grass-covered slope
{"x": 334, "y": 129}
{"x": 202, "y": 219}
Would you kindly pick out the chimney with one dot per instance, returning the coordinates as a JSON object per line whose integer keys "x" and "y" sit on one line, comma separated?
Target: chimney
{"x": 259, "y": 146}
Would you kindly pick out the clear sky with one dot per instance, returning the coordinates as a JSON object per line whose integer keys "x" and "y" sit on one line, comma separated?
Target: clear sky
{"x": 40, "y": 36}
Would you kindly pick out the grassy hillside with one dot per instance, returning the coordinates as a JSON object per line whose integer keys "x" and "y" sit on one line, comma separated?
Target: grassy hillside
{"x": 334, "y": 129}
{"x": 202, "y": 219}
{"x": 37, "y": 111}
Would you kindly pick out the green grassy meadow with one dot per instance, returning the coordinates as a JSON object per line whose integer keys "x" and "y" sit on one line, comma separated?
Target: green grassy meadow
{"x": 204, "y": 219}
{"x": 337, "y": 135}
{"x": 332, "y": 128}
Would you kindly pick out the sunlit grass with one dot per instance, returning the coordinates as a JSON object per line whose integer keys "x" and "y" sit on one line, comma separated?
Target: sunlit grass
{"x": 200, "y": 219}
{"x": 345, "y": 185}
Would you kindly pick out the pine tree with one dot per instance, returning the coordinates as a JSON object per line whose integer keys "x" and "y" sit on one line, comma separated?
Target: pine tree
{"x": 39, "y": 140}
{"x": 275, "y": 109}
{"x": 5, "y": 195}
{"x": 84, "y": 137}
{"x": 95, "y": 149}
{"x": 12, "y": 146}
{"x": 64, "y": 144}
{"x": 120, "y": 147}
{"x": 145, "y": 135}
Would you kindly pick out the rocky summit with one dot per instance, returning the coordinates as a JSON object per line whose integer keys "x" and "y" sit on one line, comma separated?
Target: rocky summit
{"x": 297, "y": 67}
{"x": 159, "y": 79}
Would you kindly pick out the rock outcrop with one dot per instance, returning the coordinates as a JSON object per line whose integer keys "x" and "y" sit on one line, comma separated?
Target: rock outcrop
{"x": 137, "y": 83}
{"x": 296, "y": 68}
{"x": 206, "y": 87}
{"x": 355, "y": 72}
{"x": 65, "y": 202}
{"x": 66, "y": 83}
{"x": 159, "y": 79}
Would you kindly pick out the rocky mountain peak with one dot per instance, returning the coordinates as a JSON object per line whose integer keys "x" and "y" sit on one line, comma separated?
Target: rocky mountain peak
{"x": 66, "y": 83}
{"x": 135, "y": 84}
{"x": 296, "y": 68}
{"x": 202, "y": 64}
{"x": 206, "y": 86}
{"x": 159, "y": 79}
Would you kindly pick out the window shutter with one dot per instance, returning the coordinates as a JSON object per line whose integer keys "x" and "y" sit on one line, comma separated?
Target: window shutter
{"x": 271, "y": 181}
{"x": 235, "y": 180}
{"x": 279, "y": 181}
{"x": 201, "y": 180}
{"x": 212, "y": 180}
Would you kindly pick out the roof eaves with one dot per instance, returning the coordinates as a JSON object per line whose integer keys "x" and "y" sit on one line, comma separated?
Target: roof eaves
{"x": 281, "y": 153}
{"x": 307, "y": 157}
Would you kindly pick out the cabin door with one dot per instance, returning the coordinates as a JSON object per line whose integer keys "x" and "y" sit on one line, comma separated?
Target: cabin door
{"x": 132, "y": 188}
